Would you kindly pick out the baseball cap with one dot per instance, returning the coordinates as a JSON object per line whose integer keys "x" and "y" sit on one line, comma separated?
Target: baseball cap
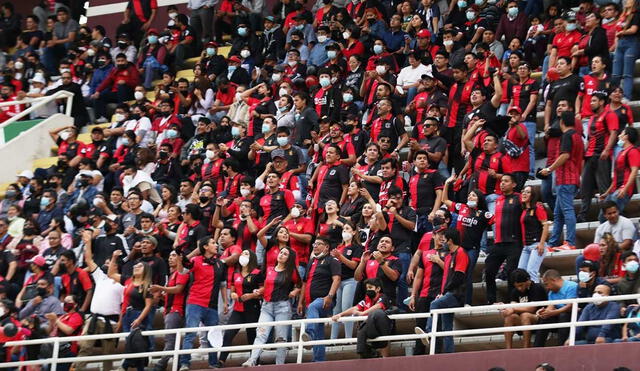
{"x": 277, "y": 153}
{"x": 424, "y": 33}
{"x": 26, "y": 174}
{"x": 515, "y": 108}
{"x": 234, "y": 58}
{"x": 150, "y": 239}
{"x": 37, "y": 260}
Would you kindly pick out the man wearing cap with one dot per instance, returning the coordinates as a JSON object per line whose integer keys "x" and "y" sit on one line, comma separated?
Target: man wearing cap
{"x": 300, "y": 24}
{"x": 124, "y": 46}
{"x": 518, "y": 164}
{"x": 117, "y": 87}
{"x": 235, "y": 73}
{"x": 423, "y": 49}
{"x": 213, "y": 64}
{"x": 147, "y": 247}
{"x": 83, "y": 189}
{"x": 272, "y": 38}
{"x": 318, "y": 54}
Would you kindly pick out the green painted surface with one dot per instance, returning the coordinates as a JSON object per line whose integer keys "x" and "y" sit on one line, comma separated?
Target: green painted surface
{"x": 15, "y": 128}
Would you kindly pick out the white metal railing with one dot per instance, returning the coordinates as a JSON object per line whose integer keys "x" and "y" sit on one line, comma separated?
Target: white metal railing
{"x": 35, "y": 104}
{"x": 299, "y": 344}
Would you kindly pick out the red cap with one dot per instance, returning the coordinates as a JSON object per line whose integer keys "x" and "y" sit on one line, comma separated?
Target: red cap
{"x": 153, "y": 31}
{"x": 212, "y": 44}
{"x": 37, "y": 260}
{"x": 515, "y": 108}
{"x": 234, "y": 58}
{"x": 424, "y": 33}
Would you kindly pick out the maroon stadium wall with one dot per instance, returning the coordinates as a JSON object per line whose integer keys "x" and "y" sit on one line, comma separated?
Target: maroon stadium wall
{"x": 601, "y": 357}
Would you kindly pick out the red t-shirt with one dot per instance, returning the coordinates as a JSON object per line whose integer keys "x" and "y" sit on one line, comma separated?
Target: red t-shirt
{"x": 301, "y": 225}
{"x": 520, "y": 163}
{"x": 628, "y": 158}
{"x": 175, "y": 302}
{"x": 564, "y": 41}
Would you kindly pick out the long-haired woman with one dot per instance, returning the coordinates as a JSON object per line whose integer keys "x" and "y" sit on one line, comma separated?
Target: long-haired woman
{"x": 279, "y": 240}
{"x": 535, "y": 231}
{"x": 136, "y": 306}
{"x": 281, "y": 283}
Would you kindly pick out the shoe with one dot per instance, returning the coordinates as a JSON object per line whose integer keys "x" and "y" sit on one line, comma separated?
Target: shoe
{"x": 482, "y": 254}
{"x": 184, "y": 368}
{"x": 564, "y": 246}
{"x": 424, "y": 340}
{"x": 306, "y": 337}
{"x": 102, "y": 120}
{"x": 248, "y": 363}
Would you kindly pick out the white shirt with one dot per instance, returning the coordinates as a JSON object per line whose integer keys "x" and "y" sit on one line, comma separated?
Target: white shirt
{"x": 410, "y": 75}
{"x": 109, "y": 295}
{"x": 622, "y": 230}
{"x": 142, "y": 128}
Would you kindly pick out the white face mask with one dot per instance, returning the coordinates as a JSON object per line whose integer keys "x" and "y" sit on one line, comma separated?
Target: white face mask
{"x": 245, "y": 192}
{"x": 276, "y": 77}
{"x": 138, "y": 95}
{"x": 346, "y": 35}
{"x": 64, "y": 135}
{"x": 91, "y": 52}
{"x": 597, "y": 302}
{"x": 2, "y": 312}
{"x": 18, "y": 65}
{"x": 210, "y": 154}
{"x": 97, "y": 202}
{"x": 472, "y": 204}
{"x": 447, "y": 42}
{"x": 282, "y": 92}
{"x": 381, "y": 70}
{"x": 35, "y": 90}
{"x": 292, "y": 63}
{"x": 347, "y": 236}
{"x": 173, "y": 15}
{"x": 245, "y": 53}
{"x": 238, "y": 97}
{"x": 322, "y": 38}
{"x": 118, "y": 117}
{"x": 243, "y": 260}
{"x": 295, "y": 212}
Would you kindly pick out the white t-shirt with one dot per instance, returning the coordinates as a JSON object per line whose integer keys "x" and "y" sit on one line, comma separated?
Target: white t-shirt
{"x": 142, "y": 128}
{"x": 410, "y": 75}
{"x": 109, "y": 294}
{"x": 622, "y": 230}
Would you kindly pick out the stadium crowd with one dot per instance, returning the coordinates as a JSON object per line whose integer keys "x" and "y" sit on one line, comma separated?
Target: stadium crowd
{"x": 345, "y": 158}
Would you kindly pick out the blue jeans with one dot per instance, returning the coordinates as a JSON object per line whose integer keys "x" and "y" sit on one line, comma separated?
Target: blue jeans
{"x": 473, "y": 259}
{"x": 624, "y": 61}
{"x": 344, "y": 301}
{"x": 564, "y": 215}
{"x": 548, "y": 191}
{"x": 194, "y": 315}
{"x": 447, "y": 300}
{"x": 632, "y": 339}
{"x": 403, "y": 286}
{"x": 316, "y": 330}
{"x": 272, "y": 311}
{"x": 531, "y": 132}
{"x": 530, "y": 261}
{"x": 411, "y": 93}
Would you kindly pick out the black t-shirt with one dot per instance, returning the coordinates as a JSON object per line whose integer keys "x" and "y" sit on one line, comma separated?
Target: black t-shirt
{"x": 434, "y": 144}
{"x": 471, "y": 223}
{"x": 567, "y": 88}
{"x": 331, "y": 185}
{"x": 486, "y": 110}
{"x": 319, "y": 277}
{"x": 352, "y": 252}
{"x": 535, "y": 293}
{"x": 158, "y": 269}
{"x": 6, "y": 257}
{"x": 507, "y": 218}
{"x": 400, "y": 235}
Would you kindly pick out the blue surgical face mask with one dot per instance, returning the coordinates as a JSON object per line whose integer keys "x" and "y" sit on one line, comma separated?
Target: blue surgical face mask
{"x": 378, "y": 49}
{"x": 282, "y": 141}
{"x": 152, "y": 39}
{"x": 235, "y": 131}
{"x": 231, "y": 68}
{"x": 347, "y": 97}
{"x": 332, "y": 54}
{"x": 631, "y": 266}
{"x": 462, "y": 4}
{"x": 45, "y": 201}
{"x": 300, "y": 27}
{"x": 172, "y": 133}
{"x": 471, "y": 15}
{"x": 325, "y": 81}
{"x": 266, "y": 128}
{"x": 479, "y": 2}
{"x": 621, "y": 143}
{"x": 571, "y": 26}
{"x": 584, "y": 277}
{"x": 242, "y": 31}
{"x": 211, "y": 52}
{"x": 125, "y": 141}
{"x": 513, "y": 11}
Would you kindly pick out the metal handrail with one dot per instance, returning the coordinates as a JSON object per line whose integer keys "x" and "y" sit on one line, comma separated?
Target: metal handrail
{"x": 302, "y": 323}
{"x": 37, "y": 103}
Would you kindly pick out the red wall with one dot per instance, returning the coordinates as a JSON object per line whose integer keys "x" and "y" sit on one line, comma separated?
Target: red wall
{"x": 599, "y": 357}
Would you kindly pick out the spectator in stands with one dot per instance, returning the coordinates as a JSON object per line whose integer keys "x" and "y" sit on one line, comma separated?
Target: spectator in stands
{"x": 452, "y": 292}
{"x": 138, "y": 16}
{"x": 281, "y": 283}
{"x": 63, "y": 35}
{"x": 525, "y": 290}
{"x": 535, "y": 227}
{"x": 567, "y": 167}
{"x": 75, "y": 281}
{"x": 9, "y": 26}
{"x": 558, "y": 289}
{"x": 622, "y": 229}
{"x": 626, "y": 50}
{"x": 68, "y": 324}
{"x": 151, "y": 59}
{"x": 321, "y": 282}
{"x": 374, "y": 306}
{"x": 598, "y": 310}
{"x": 381, "y": 264}
{"x": 43, "y": 302}
{"x": 588, "y": 279}
{"x": 630, "y": 331}
{"x": 117, "y": 87}
{"x": 629, "y": 283}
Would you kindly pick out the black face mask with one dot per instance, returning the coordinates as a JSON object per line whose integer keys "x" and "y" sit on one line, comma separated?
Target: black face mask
{"x": 29, "y": 231}
{"x": 437, "y": 220}
{"x": 62, "y": 163}
{"x": 371, "y": 294}
{"x": 5, "y": 96}
{"x": 296, "y": 43}
{"x": 204, "y": 199}
{"x": 107, "y": 227}
{"x": 165, "y": 114}
{"x": 122, "y": 45}
{"x": 101, "y": 62}
{"x": 164, "y": 155}
{"x": 184, "y": 92}
{"x": 53, "y": 185}
{"x": 84, "y": 182}
{"x": 135, "y": 116}
{"x": 41, "y": 291}
{"x": 122, "y": 66}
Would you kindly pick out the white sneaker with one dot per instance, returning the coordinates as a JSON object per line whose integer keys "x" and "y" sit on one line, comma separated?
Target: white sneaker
{"x": 102, "y": 120}
{"x": 424, "y": 340}
{"x": 248, "y": 363}
{"x": 306, "y": 337}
